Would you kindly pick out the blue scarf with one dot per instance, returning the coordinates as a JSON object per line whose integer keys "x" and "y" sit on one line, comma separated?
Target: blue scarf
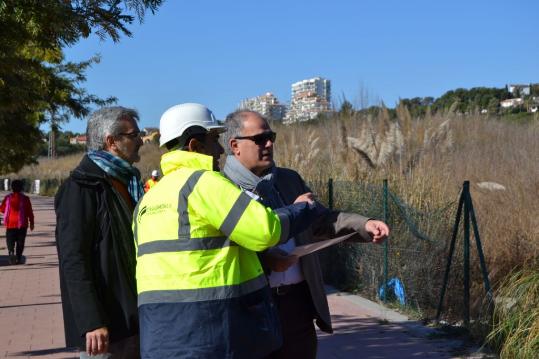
{"x": 120, "y": 170}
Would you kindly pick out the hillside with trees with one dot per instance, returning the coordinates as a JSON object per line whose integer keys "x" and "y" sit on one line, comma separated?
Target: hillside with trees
{"x": 474, "y": 100}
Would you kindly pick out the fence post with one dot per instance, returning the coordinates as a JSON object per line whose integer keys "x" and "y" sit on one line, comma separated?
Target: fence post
{"x": 484, "y": 271}
{"x": 469, "y": 218}
{"x": 386, "y": 242}
{"x": 330, "y": 193}
{"x": 466, "y": 261}
{"x": 450, "y": 256}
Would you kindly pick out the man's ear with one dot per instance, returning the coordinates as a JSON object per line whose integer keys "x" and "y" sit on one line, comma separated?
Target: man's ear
{"x": 233, "y": 145}
{"x": 195, "y": 145}
{"x": 110, "y": 143}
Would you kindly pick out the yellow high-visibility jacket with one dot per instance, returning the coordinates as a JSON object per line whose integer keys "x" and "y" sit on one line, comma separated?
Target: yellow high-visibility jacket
{"x": 198, "y": 273}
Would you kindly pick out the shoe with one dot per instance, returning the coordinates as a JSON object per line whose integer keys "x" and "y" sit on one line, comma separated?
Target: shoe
{"x": 18, "y": 260}
{"x": 12, "y": 258}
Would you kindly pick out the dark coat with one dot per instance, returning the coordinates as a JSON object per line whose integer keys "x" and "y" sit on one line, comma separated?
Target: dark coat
{"x": 290, "y": 185}
{"x": 97, "y": 256}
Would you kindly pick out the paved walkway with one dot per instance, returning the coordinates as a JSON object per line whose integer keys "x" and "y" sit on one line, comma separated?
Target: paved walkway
{"x": 31, "y": 317}
{"x": 366, "y": 330}
{"x": 31, "y": 322}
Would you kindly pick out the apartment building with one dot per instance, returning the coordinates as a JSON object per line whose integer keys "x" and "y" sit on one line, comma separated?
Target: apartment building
{"x": 310, "y": 97}
{"x": 268, "y": 105}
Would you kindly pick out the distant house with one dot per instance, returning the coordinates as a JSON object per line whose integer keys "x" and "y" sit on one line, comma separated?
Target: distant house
{"x": 78, "y": 140}
{"x": 519, "y": 90}
{"x": 512, "y": 102}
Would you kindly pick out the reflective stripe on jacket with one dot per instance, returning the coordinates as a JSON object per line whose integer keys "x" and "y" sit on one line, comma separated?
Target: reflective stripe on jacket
{"x": 197, "y": 235}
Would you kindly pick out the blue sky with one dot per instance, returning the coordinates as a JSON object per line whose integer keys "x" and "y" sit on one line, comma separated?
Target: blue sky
{"x": 220, "y": 52}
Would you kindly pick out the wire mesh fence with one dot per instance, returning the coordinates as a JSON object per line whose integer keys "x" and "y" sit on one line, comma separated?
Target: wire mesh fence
{"x": 409, "y": 268}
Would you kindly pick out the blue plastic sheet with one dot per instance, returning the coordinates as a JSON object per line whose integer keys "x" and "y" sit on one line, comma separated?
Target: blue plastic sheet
{"x": 395, "y": 288}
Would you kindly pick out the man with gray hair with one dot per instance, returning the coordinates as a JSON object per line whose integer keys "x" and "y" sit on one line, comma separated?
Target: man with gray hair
{"x": 297, "y": 286}
{"x": 94, "y": 239}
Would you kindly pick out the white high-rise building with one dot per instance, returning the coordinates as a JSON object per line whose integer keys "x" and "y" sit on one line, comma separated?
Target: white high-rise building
{"x": 309, "y": 98}
{"x": 268, "y": 105}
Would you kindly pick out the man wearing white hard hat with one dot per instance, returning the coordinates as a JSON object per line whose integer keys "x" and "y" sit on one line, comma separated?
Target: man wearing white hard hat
{"x": 152, "y": 181}
{"x": 202, "y": 292}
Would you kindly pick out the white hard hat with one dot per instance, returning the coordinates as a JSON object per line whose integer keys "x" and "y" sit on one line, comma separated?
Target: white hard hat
{"x": 179, "y": 118}
{"x": 155, "y": 173}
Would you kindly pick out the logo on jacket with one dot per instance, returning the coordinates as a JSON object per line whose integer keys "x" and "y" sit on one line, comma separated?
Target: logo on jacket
{"x": 151, "y": 210}
{"x": 141, "y": 213}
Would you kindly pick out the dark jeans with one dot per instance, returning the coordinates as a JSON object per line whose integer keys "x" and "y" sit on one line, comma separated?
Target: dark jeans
{"x": 16, "y": 236}
{"x": 297, "y": 313}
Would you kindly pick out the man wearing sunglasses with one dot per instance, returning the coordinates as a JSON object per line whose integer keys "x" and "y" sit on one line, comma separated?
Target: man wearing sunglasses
{"x": 297, "y": 286}
{"x": 94, "y": 210}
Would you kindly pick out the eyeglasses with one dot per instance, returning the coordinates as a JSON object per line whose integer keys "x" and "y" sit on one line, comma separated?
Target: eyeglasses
{"x": 133, "y": 134}
{"x": 261, "y": 138}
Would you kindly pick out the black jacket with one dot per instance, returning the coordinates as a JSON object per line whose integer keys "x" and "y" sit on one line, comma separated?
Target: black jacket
{"x": 97, "y": 256}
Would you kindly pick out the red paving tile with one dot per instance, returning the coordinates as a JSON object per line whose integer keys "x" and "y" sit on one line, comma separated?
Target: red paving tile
{"x": 32, "y": 324}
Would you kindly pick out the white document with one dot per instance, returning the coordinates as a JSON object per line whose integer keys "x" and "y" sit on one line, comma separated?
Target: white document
{"x": 313, "y": 247}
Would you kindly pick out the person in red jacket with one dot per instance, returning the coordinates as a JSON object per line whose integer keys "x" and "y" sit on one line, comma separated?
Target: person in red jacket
{"x": 17, "y": 210}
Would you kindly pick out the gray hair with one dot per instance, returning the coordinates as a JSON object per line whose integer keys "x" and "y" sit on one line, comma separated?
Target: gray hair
{"x": 234, "y": 126}
{"x": 106, "y": 122}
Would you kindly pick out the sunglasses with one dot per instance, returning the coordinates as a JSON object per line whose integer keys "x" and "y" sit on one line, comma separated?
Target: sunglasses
{"x": 260, "y": 139}
{"x": 133, "y": 134}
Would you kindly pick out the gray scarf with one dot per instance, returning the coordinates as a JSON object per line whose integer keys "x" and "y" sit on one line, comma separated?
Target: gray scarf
{"x": 262, "y": 186}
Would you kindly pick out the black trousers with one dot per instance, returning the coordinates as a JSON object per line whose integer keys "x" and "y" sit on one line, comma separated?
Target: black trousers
{"x": 297, "y": 313}
{"x": 15, "y": 238}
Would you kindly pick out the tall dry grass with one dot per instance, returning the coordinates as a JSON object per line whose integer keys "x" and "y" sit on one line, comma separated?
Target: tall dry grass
{"x": 48, "y": 168}
{"x": 150, "y": 156}
{"x": 59, "y": 168}
{"x": 426, "y": 162}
